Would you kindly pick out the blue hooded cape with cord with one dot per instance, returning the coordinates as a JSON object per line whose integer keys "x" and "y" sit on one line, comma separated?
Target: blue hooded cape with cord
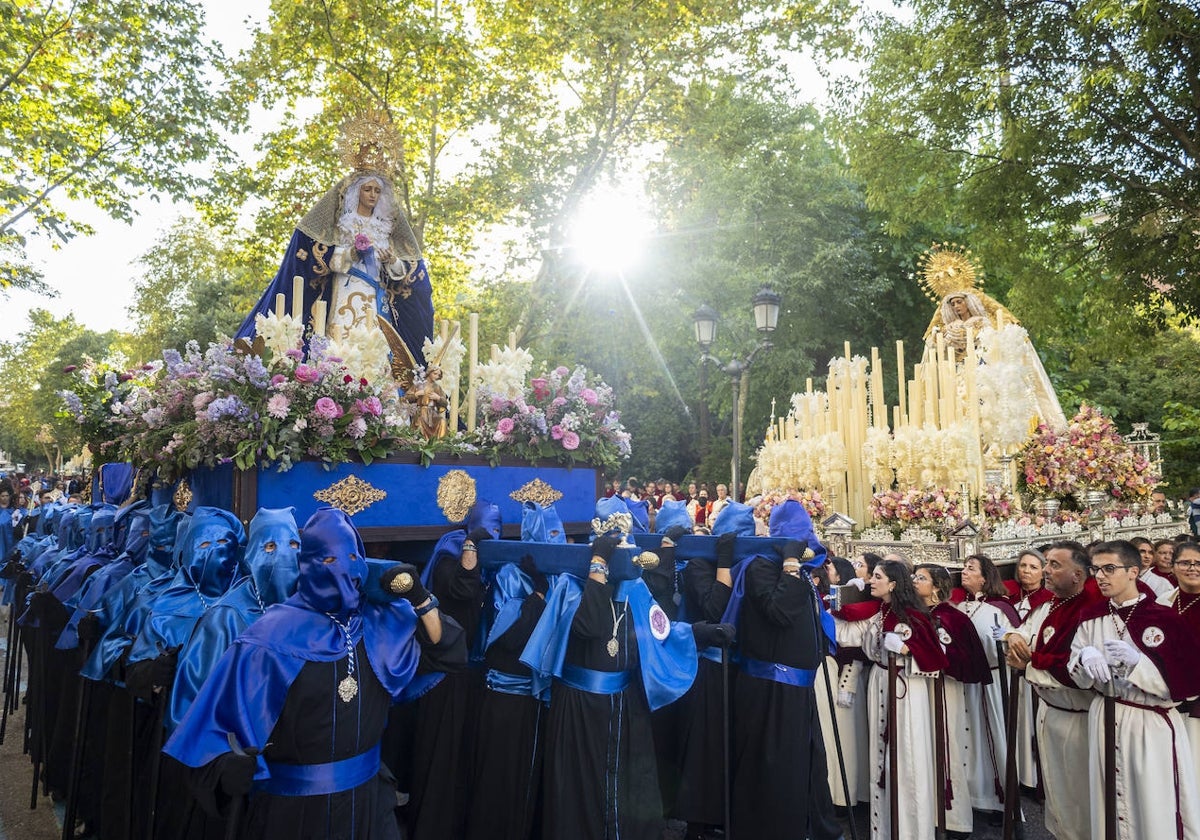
{"x": 246, "y": 691}
{"x": 789, "y": 521}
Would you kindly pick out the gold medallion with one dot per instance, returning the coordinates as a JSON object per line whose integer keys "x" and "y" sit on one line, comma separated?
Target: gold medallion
{"x": 347, "y": 688}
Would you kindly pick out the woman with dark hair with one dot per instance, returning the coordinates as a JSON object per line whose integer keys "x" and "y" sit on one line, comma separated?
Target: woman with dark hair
{"x": 987, "y": 606}
{"x": 901, "y": 627}
{"x": 967, "y": 666}
{"x": 839, "y": 570}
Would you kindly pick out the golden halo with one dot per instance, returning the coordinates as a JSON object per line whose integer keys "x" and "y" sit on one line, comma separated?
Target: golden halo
{"x": 370, "y": 143}
{"x": 946, "y": 268}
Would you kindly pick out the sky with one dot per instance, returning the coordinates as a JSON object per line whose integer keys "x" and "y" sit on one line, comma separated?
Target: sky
{"x": 95, "y": 275}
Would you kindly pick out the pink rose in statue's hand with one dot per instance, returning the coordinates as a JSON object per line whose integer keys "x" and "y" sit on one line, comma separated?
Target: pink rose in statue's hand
{"x": 362, "y": 242}
{"x": 327, "y": 408}
{"x": 308, "y": 373}
{"x": 505, "y": 426}
{"x": 570, "y": 441}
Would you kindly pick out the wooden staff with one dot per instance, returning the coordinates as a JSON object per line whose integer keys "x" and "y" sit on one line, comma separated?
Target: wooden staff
{"x": 939, "y": 756}
{"x": 1002, "y": 665}
{"x": 1110, "y": 768}
{"x": 1012, "y": 796}
{"x": 893, "y": 748}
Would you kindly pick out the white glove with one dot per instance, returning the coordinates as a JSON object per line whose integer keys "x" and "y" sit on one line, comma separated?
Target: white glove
{"x": 845, "y": 699}
{"x": 857, "y": 583}
{"x": 1094, "y": 664}
{"x": 892, "y": 642}
{"x": 1122, "y": 653}
{"x": 997, "y": 632}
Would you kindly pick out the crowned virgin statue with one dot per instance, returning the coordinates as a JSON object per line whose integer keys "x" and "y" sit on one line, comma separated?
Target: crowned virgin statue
{"x": 356, "y": 252}
{"x": 951, "y": 278}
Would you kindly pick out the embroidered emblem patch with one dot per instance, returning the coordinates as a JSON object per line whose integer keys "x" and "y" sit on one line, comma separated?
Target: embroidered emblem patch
{"x": 660, "y": 625}
{"x": 904, "y": 631}
{"x": 1153, "y": 637}
{"x": 944, "y": 635}
{"x": 1047, "y": 634}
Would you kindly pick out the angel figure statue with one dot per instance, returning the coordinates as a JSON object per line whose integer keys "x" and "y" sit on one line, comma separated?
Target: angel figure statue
{"x": 430, "y": 401}
{"x": 356, "y": 252}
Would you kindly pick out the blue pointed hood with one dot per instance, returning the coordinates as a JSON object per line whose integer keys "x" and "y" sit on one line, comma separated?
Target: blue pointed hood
{"x": 272, "y": 558}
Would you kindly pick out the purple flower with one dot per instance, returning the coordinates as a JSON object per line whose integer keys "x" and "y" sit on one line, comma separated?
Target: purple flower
{"x": 505, "y": 426}
{"x": 357, "y": 428}
{"x": 588, "y": 396}
{"x": 362, "y": 242}
{"x": 327, "y": 409}
{"x": 278, "y": 379}
{"x": 294, "y": 353}
{"x": 561, "y": 371}
{"x": 499, "y": 404}
{"x": 307, "y": 373}
{"x": 570, "y": 441}
{"x": 556, "y": 432}
{"x": 230, "y": 406}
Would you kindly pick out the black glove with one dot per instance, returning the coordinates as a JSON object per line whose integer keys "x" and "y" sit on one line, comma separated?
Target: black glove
{"x": 235, "y": 773}
{"x": 88, "y": 630}
{"x": 711, "y": 634}
{"x": 478, "y": 535}
{"x": 792, "y": 550}
{"x": 40, "y": 602}
{"x": 162, "y": 667}
{"x": 725, "y": 550}
{"x": 604, "y": 545}
{"x": 540, "y": 584}
{"x": 25, "y": 580}
{"x": 675, "y": 532}
{"x": 403, "y": 580}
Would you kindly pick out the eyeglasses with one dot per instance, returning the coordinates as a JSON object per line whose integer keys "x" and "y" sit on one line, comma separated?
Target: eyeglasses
{"x": 1108, "y": 570}
{"x": 1186, "y": 564}
{"x": 858, "y": 564}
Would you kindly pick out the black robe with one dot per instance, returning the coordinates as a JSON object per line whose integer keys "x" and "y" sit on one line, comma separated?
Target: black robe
{"x": 600, "y": 780}
{"x": 701, "y": 797}
{"x": 447, "y": 718}
{"x": 506, "y": 791}
{"x": 780, "y": 787}
{"x": 316, "y": 726}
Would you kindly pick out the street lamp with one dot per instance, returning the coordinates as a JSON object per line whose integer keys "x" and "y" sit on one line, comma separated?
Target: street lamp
{"x": 766, "y": 317}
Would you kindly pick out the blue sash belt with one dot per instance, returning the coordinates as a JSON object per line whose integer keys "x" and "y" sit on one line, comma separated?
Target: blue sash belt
{"x": 712, "y": 654}
{"x": 785, "y": 674}
{"x": 595, "y": 682}
{"x": 509, "y": 683}
{"x": 320, "y": 779}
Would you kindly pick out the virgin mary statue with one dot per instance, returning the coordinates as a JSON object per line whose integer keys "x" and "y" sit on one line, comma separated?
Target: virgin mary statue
{"x": 356, "y": 251}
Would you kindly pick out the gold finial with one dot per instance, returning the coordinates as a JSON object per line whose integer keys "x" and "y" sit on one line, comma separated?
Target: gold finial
{"x": 370, "y": 143}
{"x": 948, "y": 267}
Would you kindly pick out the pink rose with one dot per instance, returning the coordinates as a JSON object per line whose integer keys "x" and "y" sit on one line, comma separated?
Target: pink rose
{"x": 505, "y": 426}
{"x": 278, "y": 379}
{"x": 556, "y": 432}
{"x": 558, "y": 401}
{"x": 371, "y": 405}
{"x": 570, "y": 441}
{"x": 327, "y": 409}
{"x": 588, "y": 396}
{"x": 362, "y": 242}
{"x": 307, "y": 373}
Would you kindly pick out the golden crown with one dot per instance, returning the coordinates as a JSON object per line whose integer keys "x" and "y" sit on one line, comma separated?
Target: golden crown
{"x": 370, "y": 143}
{"x": 948, "y": 267}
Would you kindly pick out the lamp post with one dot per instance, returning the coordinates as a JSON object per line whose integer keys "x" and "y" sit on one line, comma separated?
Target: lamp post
{"x": 704, "y": 320}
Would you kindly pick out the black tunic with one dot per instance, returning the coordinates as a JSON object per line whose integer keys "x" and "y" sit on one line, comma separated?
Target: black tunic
{"x": 600, "y": 780}
{"x": 780, "y": 788}
{"x": 506, "y": 791}
{"x": 701, "y": 797}
{"x": 447, "y": 718}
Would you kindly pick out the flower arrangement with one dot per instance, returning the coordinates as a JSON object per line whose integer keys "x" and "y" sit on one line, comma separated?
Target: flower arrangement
{"x": 566, "y": 415}
{"x": 933, "y": 508}
{"x": 336, "y": 402}
{"x": 810, "y": 499}
{"x": 998, "y": 503}
{"x": 1089, "y": 455}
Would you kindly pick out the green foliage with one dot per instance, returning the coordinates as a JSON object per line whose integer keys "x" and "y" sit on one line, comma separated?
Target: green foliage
{"x": 196, "y": 286}
{"x": 31, "y": 372}
{"x": 1054, "y": 138}
{"x": 100, "y": 100}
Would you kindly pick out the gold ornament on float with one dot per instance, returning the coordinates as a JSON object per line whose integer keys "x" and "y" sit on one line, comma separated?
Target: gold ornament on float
{"x": 456, "y": 495}
{"x": 536, "y": 491}
{"x": 351, "y": 494}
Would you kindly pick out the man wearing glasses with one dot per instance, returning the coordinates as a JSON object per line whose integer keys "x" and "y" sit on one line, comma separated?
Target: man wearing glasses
{"x": 1138, "y": 651}
{"x": 1042, "y": 646}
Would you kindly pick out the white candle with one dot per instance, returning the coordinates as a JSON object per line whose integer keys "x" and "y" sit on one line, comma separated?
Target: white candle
{"x": 298, "y": 297}
{"x": 473, "y": 350}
